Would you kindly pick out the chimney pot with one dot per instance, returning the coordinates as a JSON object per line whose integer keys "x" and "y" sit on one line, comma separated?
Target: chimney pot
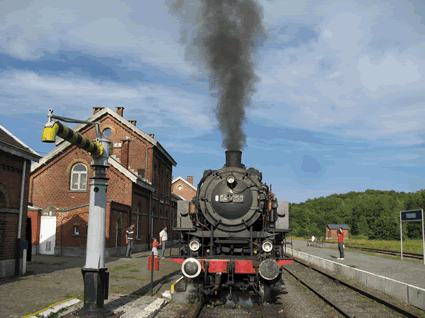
{"x": 190, "y": 179}
{"x": 133, "y": 122}
{"x": 97, "y": 109}
{"x": 152, "y": 135}
{"x": 120, "y": 111}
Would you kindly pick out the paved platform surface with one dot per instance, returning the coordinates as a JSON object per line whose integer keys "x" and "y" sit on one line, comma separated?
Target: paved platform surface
{"x": 51, "y": 279}
{"x": 409, "y": 272}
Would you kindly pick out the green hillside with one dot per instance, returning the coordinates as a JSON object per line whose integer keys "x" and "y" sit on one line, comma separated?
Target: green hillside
{"x": 372, "y": 213}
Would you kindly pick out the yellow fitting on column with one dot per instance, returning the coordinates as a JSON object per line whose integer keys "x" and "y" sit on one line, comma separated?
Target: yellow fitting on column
{"x": 99, "y": 151}
{"x": 49, "y": 133}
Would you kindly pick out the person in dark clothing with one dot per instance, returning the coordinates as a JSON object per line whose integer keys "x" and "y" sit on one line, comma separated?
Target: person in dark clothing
{"x": 341, "y": 244}
{"x": 129, "y": 240}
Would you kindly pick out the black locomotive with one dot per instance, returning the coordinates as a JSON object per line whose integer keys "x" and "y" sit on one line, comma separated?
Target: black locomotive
{"x": 233, "y": 232}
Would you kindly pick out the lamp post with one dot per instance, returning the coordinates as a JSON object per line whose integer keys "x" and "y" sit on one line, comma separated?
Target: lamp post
{"x": 95, "y": 275}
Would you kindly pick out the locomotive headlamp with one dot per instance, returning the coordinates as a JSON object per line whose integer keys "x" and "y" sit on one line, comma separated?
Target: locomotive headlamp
{"x": 230, "y": 179}
{"x": 194, "y": 245}
{"x": 191, "y": 267}
{"x": 267, "y": 246}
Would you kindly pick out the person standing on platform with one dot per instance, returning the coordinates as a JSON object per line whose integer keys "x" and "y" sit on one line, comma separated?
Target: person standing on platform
{"x": 311, "y": 240}
{"x": 341, "y": 244}
{"x": 129, "y": 240}
{"x": 163, "y": 237}
{"x": 155, "y": 247}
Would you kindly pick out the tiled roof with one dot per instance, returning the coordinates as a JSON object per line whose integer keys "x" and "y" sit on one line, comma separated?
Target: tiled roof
{"x": 178, "y": 197}
{"x": 337, "y": 226}
{"x": 11, "y": 144}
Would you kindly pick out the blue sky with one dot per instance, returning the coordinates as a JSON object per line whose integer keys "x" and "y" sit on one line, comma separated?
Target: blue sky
{"x": 339, "y": 106}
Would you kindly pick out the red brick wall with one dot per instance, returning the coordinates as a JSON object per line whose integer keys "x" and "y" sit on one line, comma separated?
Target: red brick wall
{"x": 186, "y": 192}
{"x": 8, "y": 234}
{"x": 333, "y": 233}
{"x": 11, "y": 169}
{"x": 45, "y": 192}
{"x": 35, "y": 226}
{"x": 65, "y": 222}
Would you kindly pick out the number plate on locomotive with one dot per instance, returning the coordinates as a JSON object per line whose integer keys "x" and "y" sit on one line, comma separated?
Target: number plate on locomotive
{"x": 231, "y": 198}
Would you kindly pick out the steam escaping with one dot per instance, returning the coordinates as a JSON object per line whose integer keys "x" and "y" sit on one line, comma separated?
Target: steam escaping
{"x": 227, "y": 38}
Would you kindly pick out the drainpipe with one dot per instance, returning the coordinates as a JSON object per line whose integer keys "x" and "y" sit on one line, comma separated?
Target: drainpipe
{"x": 147, "y": 149}
{"x": 150, "y": 220}
{"x": 18, "y": 239}
{"x": 150, "y": 199}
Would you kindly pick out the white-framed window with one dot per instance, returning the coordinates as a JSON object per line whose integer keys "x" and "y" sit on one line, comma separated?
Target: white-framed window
{"x": 79, "y": 177}
{"x": 76, "y": 230}
{"x": 48, "y": 246}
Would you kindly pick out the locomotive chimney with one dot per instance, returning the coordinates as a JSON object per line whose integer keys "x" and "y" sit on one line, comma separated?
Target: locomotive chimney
{"x": 234, "y": 158}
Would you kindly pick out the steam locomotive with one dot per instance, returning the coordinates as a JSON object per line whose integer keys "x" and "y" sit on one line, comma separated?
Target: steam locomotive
{"x": 232, "y": 234}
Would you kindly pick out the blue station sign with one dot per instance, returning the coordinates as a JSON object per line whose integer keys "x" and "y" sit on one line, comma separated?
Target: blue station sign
{"x": 412, "y": 215}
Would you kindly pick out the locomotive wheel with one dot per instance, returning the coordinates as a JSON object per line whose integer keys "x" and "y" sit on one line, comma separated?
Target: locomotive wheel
{"x": 264, "y": 291}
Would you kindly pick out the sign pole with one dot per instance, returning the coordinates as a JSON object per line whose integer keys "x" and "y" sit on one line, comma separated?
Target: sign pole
{"x": 409, "y": 216}
{"x": 401, "y": 237}
{"x": 423, "y": 240}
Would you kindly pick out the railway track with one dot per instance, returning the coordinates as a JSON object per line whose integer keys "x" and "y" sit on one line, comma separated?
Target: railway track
{"x": 386, "y": 252}
{"x": 345, "y": 299}
{"x": 329, "y": 290}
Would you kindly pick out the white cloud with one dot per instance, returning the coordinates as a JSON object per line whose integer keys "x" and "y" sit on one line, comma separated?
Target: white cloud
{"x": 374, "y": 53}
{"x": 162, "y": 106}
{"x": 390, "y": 70}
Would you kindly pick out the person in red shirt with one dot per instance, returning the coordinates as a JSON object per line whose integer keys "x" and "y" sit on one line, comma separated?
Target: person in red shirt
{"x": 155, "y": 247}
{"x": 341, "y": 244}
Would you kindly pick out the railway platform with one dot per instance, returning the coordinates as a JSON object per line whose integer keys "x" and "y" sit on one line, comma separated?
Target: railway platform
{"x": 52, "y": 281}
{"x": 403, "y": 279}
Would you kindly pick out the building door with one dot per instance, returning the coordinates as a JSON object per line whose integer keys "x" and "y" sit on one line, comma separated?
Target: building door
{"x": 118, "y": 235}
{"x": 47, "y": 235}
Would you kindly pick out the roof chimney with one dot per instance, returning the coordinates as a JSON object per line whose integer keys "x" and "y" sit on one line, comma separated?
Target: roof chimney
{"x": 152, "y": 135}
{"x": 190, "y": 179}
{"x": 120, "y": 111}
{"x": 133, "y": 122}
{"x": 97, "y": 109}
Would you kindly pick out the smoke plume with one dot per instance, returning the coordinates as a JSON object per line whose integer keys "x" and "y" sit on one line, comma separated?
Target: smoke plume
{"x": 227, "y": 37}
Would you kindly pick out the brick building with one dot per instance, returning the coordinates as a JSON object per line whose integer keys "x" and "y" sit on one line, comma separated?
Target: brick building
{"x": 15, "y": 164}
{"x": 139, "y": 190}
{"x": 331, "y": 230}
{"x": 184, "y": 188}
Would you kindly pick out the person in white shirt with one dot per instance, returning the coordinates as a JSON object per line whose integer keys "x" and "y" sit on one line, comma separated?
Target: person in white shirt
{"x": 311, "y": 240}
{"x": 163, "y": 237}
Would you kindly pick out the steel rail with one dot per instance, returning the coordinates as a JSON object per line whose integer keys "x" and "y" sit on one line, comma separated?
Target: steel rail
{"x": 262, "y": 310}
{"x": 364, "y": 293}
{"x": 199, "y": 308}
{"x": 342, "y": 312}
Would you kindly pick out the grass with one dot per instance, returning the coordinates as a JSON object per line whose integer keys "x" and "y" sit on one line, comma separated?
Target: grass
{"x": 128, "y": 277}
{"x": 36, "y": 263}
{"x": 120, "y": 268}
{"x": 60, "y": 263}
{"x": 78, "y": 296}
{"x": 134, "y": 270}
{"x": 409, "y": 245}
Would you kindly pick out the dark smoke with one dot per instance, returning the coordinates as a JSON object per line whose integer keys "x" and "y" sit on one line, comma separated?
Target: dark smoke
{"x": 227, "y": 38}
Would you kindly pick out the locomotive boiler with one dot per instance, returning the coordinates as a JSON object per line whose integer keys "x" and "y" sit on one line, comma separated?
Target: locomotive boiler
{"x": 232, "y": 234}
